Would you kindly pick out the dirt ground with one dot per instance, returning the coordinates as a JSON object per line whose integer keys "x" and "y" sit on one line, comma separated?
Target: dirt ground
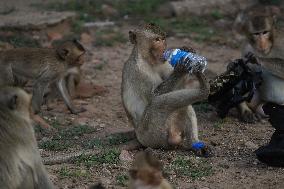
{"x": 233, "y": 165}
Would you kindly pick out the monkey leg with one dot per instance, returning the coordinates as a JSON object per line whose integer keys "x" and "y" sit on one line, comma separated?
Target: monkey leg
{"x": 38, "y": 92}
{"x": 247, "y": 115}
{"x": 6, "y": 76}
{"x": 61, "y": 84}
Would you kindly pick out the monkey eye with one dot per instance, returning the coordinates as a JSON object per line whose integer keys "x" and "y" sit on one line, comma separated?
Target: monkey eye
{"x": 158, "y": 39}
{"x": 265, "y": 32}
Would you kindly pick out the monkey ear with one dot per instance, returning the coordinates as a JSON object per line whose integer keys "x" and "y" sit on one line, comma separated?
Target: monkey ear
{"x": 12, "y": 103}
{"x": 78, "y": 45}
{"x": 62, "y": 53}
{"x": 132, "y": 37}
{"x": 133, "y": 173}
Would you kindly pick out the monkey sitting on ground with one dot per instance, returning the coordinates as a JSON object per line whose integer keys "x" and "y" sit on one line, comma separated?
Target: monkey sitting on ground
{"x": 20, "y": 162}
{"x": 146, "y": 172}
{"x": 266, "y": 42}
{"x": 154, "y": 97}
{"x": 42, "y": 65}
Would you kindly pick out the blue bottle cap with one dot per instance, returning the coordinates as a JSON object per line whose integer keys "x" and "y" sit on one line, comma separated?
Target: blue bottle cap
{"x": 198, "y": 145}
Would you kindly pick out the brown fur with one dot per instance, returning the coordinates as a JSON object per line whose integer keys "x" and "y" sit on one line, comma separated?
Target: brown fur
{"x": 154, "y": 96}
{"x": 20, "y": 161}
{"x": 43, "y": 66}
{"x": 146, "y": 173}
{"x": 267, "y": 43}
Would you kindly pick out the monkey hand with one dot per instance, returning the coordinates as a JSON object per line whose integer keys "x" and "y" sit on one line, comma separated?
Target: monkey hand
{"x": 251, "y": 58}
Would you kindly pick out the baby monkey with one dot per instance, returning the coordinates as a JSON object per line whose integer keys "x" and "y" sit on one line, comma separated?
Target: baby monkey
{"x": 146, "y": 172}
{"x": 43, "y": 66}
{"x": 20, "y": 162}
{"x": 154, "y": 94}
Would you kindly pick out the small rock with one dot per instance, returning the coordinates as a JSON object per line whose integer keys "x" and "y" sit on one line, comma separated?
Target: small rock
{"x": 54, "y": 36}
{"x": 250, "y": 145}
{"x": 81, "y": 121}
{"x": 125, "y": 156}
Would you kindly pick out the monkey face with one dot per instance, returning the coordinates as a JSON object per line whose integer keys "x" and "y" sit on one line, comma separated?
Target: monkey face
{"x": 158, "y": 48}
{"x": 262, "y": 41}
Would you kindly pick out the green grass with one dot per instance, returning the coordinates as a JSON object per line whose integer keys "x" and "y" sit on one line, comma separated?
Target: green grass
{"x": 55, "y": 145}
{"x": 110, "y": 157}
{"x": 66, "y": 138}
{"x": 122, "y": 179}
{"x": 183, "y": 166}
{"x": 197, "y": 28}
{"x": 90, "y": 144}
{"x": 65, "y": 172}
{"x": 78, "y": 130}
{"x": 117, "y": 139}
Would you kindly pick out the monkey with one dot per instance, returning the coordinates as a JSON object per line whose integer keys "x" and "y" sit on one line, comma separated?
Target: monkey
{"x": 146, "y": 172}
{"x": 154, "y": 97}
{"x": 43, "y": 66}
{"x": 20, "y": 162}
{"x": 266, "y": 42}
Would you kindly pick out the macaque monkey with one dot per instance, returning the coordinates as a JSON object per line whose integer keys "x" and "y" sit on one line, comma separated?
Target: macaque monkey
{"x": 20, "y": 162}
{"x": 146, "y": 173}
{"x": 154, "y": 97}
{"x": 44, "y": 66}
{"x": 266, "y": 42}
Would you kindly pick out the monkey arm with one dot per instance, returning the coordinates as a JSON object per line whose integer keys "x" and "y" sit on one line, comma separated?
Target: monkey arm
{"x": 168, "y": 84}
{"x": 275, "y": 66}
{"x": 184, "y": 97}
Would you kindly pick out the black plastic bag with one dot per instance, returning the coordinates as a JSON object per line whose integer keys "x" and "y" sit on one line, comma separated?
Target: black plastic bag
{"x": 236, "y": 85}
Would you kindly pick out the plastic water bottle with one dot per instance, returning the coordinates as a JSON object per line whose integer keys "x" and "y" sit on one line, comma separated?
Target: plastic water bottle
{"x": 193, "y": 62}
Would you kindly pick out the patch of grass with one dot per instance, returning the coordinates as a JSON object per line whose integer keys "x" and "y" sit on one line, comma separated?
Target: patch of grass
{"x": 90, "y": 144}
{"x": 19, "y": 40}
{"x": 138, "y": 7}
{"x": 108, "y": 37}
{"x": 117, "y": 139}
{"x": 183, "y": 166}
{"x": 55, "y": 145}
{"x": 216, "y": 14}
{"x": 203, "y": 107}
{"x": 197, "y": 28}
{"x": 64, "y": 172}
{"x": 75, "y": 131}
{"x": 122, "y": 179}
{"x": 110, "y": 156}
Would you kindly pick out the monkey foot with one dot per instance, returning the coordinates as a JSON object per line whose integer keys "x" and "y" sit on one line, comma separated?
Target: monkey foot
{"x": 249, "y": 117}
{"x": 201, "y": 150}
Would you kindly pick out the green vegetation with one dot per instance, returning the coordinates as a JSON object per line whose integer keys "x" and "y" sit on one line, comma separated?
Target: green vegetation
{"x": 90, "y": 144}
{"x": 122, "y": 179}
{"x": 66, "y": 138}
{"x": 64, "y": 172}
{"x": 185, "y": 167}
{"x": 110, "y": 156}
{"x": 55, "y": 145}
{"x": 197, "y": 28}
{"x": 117, "y": 139}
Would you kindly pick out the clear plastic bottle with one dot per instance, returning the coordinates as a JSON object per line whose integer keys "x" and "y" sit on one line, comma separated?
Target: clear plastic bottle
{"x": 193, "y": 62}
